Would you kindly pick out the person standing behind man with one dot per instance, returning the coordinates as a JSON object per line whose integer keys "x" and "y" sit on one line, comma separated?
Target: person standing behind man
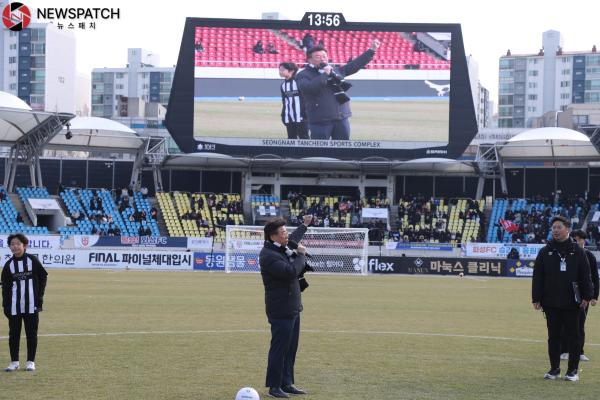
{"x": 322, "y": 87}
{"x": 580, "y": 236}
{"x": 23, "y": 286}
{"x": 280, "y": 269}
{"x": 293, "y": 115}
{"x": 561, "y": 286}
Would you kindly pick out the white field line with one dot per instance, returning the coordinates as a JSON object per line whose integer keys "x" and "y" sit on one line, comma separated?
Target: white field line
{"x": 306, "y": 331}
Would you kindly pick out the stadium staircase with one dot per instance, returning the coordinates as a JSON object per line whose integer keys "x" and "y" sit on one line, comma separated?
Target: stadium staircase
{"x": 393, "y": 218}
{"x": 284, "y": 208}
{"x": 287, "y": 38}
{"x": 160, "y": 222}
{"x": 20, "y": 207}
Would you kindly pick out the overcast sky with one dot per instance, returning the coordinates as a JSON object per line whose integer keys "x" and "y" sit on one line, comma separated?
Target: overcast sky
{"x": 489, "y": 28}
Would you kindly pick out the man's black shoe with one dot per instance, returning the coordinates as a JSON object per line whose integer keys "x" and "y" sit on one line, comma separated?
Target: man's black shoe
{"x": 278, "y": 393}
{"x": 291, "y": 389}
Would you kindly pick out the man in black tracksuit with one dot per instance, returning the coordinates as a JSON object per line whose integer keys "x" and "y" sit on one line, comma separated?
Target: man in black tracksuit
{"x": 580, "y": 236}
{"x": 562, "y": 285}
{"x": 280, "y": 269}
{"x": 327, "y": 105}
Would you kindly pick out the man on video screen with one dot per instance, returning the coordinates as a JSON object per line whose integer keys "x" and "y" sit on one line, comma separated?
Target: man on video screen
{"x": 324, "y": 90}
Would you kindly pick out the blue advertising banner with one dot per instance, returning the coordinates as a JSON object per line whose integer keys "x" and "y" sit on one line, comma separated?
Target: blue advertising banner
{"x": 216, "y": 262}
{"x": 519, "y": 268}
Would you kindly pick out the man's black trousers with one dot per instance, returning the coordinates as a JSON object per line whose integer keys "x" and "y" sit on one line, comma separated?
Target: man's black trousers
{"x": 563, "y": 321}
{"x": 564, "y": 347}
{"x": 282, "y": 354}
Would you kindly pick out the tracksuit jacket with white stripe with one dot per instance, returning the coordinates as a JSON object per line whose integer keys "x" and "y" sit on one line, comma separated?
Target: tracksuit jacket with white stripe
{"x": 23, "y": 285}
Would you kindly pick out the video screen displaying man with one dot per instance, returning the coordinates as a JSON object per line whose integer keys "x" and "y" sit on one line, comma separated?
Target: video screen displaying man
{"x": 398, "y": 83}
{"x": 324, "y": 90}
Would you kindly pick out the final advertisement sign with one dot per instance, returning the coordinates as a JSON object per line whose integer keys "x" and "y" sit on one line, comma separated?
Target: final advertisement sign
{"x": 158, "y": 260}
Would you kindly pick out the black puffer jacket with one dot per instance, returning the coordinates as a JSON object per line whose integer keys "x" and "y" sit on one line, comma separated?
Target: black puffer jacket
{"x": 319, "y": 101}
{"x": 552, "y": 287}
{"x": 280, "y": 278}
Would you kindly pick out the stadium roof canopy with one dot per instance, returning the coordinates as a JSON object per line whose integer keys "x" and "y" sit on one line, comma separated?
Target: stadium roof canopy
{"x": 17, "y": 119}
{"x": 91, "y": 133}
{"x": 556, "y": 144}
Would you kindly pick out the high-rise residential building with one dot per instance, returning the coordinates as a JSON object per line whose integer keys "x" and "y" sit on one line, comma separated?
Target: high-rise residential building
{"x": 480, "y": 94}
{"x": 531, "y": 85}
{"x": 37, "y": 64}
{"x": 136, "y": 95}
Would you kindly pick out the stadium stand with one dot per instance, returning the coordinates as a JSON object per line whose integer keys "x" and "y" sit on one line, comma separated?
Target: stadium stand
{"x": 264, "y": 206}
{"x": 528, "y": 220}
{"x": 436, "y": 220}
{"x": 11, "y": 220}
{"x": 228, "y": 47}
{"x": 96, "y": 212}
{"x": 330, "y": 211}
{"x": 201, "y": 214}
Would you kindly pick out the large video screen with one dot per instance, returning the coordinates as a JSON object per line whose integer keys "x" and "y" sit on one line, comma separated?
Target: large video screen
{"x": 351, "y": 91}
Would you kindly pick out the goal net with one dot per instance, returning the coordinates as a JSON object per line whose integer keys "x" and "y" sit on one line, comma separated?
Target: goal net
{"x": 332, "y": 250}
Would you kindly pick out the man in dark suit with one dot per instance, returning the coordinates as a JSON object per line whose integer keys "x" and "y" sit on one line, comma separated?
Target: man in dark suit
{"x": 280, "y": 268}
{"x": 562, "y": 286}
{"x": 323, "y": 88}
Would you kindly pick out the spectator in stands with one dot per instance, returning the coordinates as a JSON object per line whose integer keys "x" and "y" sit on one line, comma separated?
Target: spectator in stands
{"x": 308, "y": 42}
{"x": 61, "y": 188}
{"x": 198, "y": 46}
{"x": 293, "y": 114}
{"x": 144, "y": 192}
{"x": 258, "y": 47}
{"x": 2, "y": 195}
{"x": 271, "y": 48}
{"x": 322, "y": 87}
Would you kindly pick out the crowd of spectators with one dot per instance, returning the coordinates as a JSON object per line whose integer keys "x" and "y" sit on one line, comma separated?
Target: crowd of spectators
{"x": 103, "y": 214}
{"x": 202, "y": 212}
{"x": 532, "y": 223}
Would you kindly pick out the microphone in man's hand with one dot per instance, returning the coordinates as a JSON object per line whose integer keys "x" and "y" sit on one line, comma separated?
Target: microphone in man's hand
{"x": 293, "y": 245}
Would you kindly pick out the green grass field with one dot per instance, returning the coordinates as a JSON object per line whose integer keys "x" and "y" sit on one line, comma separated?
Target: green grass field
{"x": 381, "y": 120}
{"x": 196, "y": 335}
